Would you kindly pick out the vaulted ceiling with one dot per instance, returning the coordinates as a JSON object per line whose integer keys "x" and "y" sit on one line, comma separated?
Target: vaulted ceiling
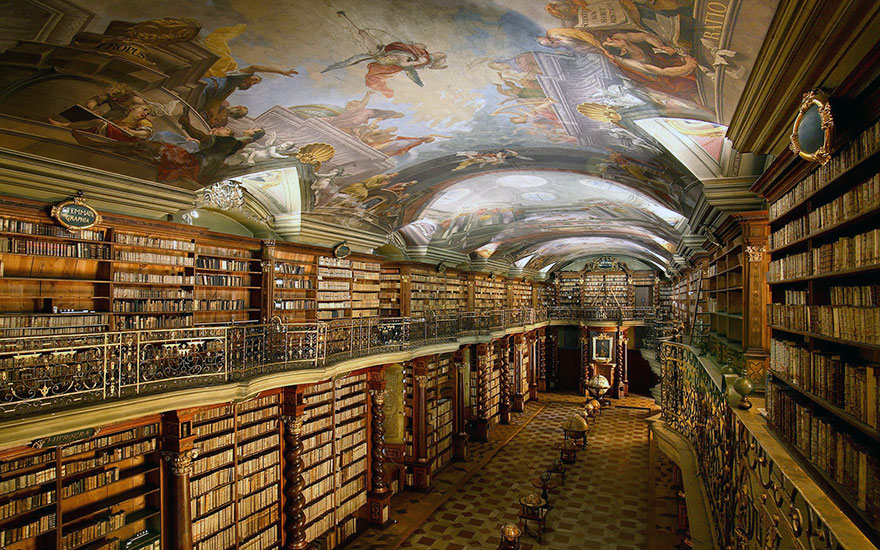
{"x": 530, "y": 132}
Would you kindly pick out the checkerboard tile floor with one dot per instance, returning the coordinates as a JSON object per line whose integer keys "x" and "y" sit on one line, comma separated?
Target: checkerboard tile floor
{"x": 602, "y": 505}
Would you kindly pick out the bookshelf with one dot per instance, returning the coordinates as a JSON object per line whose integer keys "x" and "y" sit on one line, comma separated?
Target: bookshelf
{"x": 568, "y": 288}
{"x": 520, "y": 294}
{"x": 147, "y": 263}
{"x": 100, "y": 492}
{"x": 365, "y": 288}
{"x": 493, "y": 388}
{"x": 724, "y": 295}
{"x": 429, "y": 389}
{"x": 334, "y": 278}
{"x": 293, "y": 285}
{"x": 823, "y": 319}
{"x": 390, "y": 292}
{"x": 52, "y": 281}
{"x": 350, "y": 419}
{"x": 235, "y": 484}
{"x": 489, "y": 293}
{"x": 228, "y": 282}
{"x": 318, "y": 457}
{"x": 434, "y": 291}
{"x": 606, "y": 289}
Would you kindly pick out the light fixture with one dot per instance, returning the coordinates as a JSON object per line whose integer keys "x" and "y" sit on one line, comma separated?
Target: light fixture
{"x": 194, "y": 213}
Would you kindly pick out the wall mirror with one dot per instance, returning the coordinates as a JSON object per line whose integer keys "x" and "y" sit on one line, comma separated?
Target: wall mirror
{"x": 813, "y": 128}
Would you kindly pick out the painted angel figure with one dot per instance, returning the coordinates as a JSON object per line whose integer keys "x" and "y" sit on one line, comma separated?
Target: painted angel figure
{"x": 475, "y": 158}
{"x": 388, "y": 59}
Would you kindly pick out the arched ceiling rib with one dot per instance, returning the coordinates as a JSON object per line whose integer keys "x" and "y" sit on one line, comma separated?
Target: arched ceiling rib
{"x": 465, "y": 126}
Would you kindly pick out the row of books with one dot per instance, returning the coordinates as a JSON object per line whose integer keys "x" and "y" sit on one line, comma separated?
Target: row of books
{"x": 259, "y": 463}
{"x": 220, "y": 305}
{"x": 211, "y": 500}
{"x": 846, "y": 253}
{"x": 204, "y": 464}
{"x": 845, "y": 384}
{"x": 258, "y": 445}
{"x": 10, "y": 225}
{"x": 853, "y": 152}
{"x": 213, "y": 523}
{"x": 110, "y": 440}
{"x": 153, "y": 306}
{"x": 262, "y": 478}
{"x": 333, "y": 262}
{"x": 27, "y": 530}
{"x": 124, "y": 293}
{"x": 30, "y": 247}
{"x": 151, "y": 258}
{"x": 334, "y": 273}
{"x": 27, "y": 462}
{"x": 209, "y": 482}
{"x": 223, "y": 539}
{"x": 103, "y": 458}
{"x": 51, "y": 321}
{"x": 334, "y": 285}
{"x": 302, "y": 284}
{"x": 221, "y": 280}
{"x": 290, "y": 305}
{"x": 265, "y": 539}
{"x": 863, "y": 296}
{"x": 154, "y": 242}
{"x": 258, "y": 501}
{"x": 287, "y": 268}
{"x": 205, "y": 250}
{"x": 154, "y": 278}
{"x": 89, "y": 483}
{"x": 222, "y": 263}
{"x": 93, "y": 530}
{"x": 26, "y": 504}
{"x": 830, "y": 447}
{"x": 855, "y": 324}
{"x": 136, "y": 322}
{"x": 862, "y": 198}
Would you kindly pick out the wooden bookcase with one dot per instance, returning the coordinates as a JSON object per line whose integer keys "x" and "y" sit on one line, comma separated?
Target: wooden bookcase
{"x": 724, "y": 302}
{"x": 365, "y": 288}
{"x": 568, "y": 289}
{"x": 228, "y": 282}
{"x": 823, "y": 378}
{"x": 334, "y": 278}
{"x": 318, "y": 457}
{"x": 350, "y": 419}
{"x": 100, "y": 492}
{"x": 236, "y": 479}
{"x": 432, "y": 291}
{"x": 520, "y": 294}
{"x": 390, "y": 292}
{"x": 612, "y": 289}
{"x": 489, "y": 294}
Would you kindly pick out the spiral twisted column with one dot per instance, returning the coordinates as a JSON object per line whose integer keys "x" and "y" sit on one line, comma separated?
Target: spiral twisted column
{"x": 377, "y": 436}
{"x": 504, "y": 382}
{"x": 295, "y": 519}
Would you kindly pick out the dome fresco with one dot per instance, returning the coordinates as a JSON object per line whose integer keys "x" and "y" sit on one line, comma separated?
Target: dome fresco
{"x": 449, "y": 123}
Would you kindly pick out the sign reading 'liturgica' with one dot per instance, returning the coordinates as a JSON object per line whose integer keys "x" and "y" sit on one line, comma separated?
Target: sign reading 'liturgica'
{"x": 75, "y": 214}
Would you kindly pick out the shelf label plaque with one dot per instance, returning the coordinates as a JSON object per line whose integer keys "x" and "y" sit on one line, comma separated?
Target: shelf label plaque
{"x": 75, "y": 214}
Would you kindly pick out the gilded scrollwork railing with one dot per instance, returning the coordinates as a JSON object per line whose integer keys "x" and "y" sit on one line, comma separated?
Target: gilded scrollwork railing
{"x": 754, "y": 502}
{"x": 44, "y": 373}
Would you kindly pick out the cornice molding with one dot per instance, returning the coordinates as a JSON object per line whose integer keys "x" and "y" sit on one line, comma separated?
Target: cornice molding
{"x": 324, "y": 233}
{"x": 810, "y": 43}
{"x": 33, "y": 177}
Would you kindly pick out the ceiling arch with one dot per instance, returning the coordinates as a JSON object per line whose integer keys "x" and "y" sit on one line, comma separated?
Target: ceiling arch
{"x": 389, "y": 110}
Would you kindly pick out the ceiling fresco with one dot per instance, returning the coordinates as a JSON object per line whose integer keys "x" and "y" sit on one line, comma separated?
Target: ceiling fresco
{"x": 458, "y": 123}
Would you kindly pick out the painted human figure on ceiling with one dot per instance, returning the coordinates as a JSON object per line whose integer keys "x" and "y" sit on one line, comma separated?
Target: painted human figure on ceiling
{"x": 389, "y": 59}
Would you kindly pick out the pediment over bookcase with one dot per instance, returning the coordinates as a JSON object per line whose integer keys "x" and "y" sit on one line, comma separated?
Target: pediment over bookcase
{"x": 605, "y": 264}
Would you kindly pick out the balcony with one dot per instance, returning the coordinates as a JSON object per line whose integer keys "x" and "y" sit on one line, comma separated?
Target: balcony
{"x": 49, "y": 373}
{"x": 756, "y": 494}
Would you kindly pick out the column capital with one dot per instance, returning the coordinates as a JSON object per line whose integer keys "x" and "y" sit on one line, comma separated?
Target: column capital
{"x": 293, "y": 424}
{"x": 181, "y": 462}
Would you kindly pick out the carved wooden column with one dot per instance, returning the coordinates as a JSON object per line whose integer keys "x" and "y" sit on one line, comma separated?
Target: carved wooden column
{"x": 531, "y": 349}
{"x": 179, "y": 453}
{"x": 541, "y": 359}
{"x": 294, "y": 520}
{"x": 516, "y": 354}
{"x": 756, "y": 333}
{"x": 586, "y": 360}
{"x": 420, "y": 463}
{"x": 459, "y": 436}
{"x": 483, "y": 376}
{"x": 181, "y": 465}
{"x": 379, "y": 494}
{"x": 504, "y": 382}
{"x": 622, "y": 376}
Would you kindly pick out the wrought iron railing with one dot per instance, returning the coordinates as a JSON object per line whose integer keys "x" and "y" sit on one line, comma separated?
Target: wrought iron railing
{"x": 51, "y": 372}
{"x": 754, "y": 503}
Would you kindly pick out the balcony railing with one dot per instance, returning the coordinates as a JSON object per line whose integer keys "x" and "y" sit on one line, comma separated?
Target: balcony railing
{"x": 755, "y": 501}
{"x": 43, "y": 373}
